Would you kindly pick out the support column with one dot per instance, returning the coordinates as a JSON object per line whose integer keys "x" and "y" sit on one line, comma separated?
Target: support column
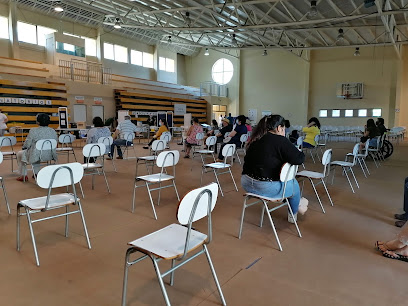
{"x": 14, "y": 47}
{"x": 99, "y": 44}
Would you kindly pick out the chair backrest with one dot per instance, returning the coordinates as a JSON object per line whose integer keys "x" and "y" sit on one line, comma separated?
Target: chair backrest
{"x": 288, "y": 173}
{"x": 299, "y": 142}
{"x": 158, "y": 145}
{"x": 1, "y": 157}
{"x": 210, "y": 141}
{"x": 166, "y": 136}
{"x": 356, "y": 148}
{"x": 107, "y": 141}
{"x": 46, "y": 144}
{"x": 228, "y": 150}
{"x": 227, "y": 134}
{"x": 195, "y": 205}
{"x": 243, "y": 138}
{"x": 167, "y": 158}
{"x": 316, "y": 139}
{"x": 94, "y": 150}
{"x": 7, "y": 141}
{"x": 366, "y": 146}
{"x": 216, "y": 132}
{"x": 129, "y": 136}
{"x": 62, "y": 175}
{"x": 326, "y": 159}
{"x": 199, "y": 136}
{"x": 66, "y": 138}
{"x": 139, "y": 129}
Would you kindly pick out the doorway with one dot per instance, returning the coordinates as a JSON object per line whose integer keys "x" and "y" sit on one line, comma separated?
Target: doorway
{"x": 97, "y": 111}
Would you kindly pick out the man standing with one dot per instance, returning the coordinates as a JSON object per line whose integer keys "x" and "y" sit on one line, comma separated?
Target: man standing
{"x": 126, "y": 126}
{"x": 402, "y": 218}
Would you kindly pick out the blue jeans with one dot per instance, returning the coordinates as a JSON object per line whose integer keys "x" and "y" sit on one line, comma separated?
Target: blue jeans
{"x": 118, "y": 143}
{"x": 307, "y": 145}
{"x": 373, "y": 142}
{"x": 273, "y": 190}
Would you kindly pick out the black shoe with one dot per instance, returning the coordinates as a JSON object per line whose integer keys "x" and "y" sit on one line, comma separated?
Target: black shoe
{"x": 146, "y": 147}
{"x": 403, "y": 217}
{"x": 400, "y": 223}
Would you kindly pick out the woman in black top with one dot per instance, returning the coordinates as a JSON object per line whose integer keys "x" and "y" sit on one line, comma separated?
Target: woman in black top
{"x": 267, "y": 151}
{"x": 371, "y": 134}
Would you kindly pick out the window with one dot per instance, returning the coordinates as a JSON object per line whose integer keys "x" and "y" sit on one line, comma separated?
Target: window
{"x": 26, "y": 32}
{"x": 349, "y": 113}
{"x": 362, "y": 113}
{"x": 335, "y": 113}
{"x": 147, "y": 60}
{"x": 323, "y": 113}
{"x": 121, "y": 54}
{"x": 136, "y": 57}
{"x": 376, "y": 112}
{"x": 90, "y": 46}
{"x": 4, "y": 28}
{"x": 41, "y": 34}
{"x": 69, "y": 47}
{"x": 166, "y": 64}
{"x": 222, "y": 71}
{"x": 108, "y": 51}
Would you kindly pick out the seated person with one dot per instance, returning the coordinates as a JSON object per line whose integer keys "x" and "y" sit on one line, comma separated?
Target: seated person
{"x": 235, "y": 135}
{"x": 214, "y": 127}
{"x": 249, "y": 128}
{"x": 380, "y": 125}
{"x": 371, "y": 133}
{"x": 29, "y": 154}
{"x": 126, "y": 126}
{"x": 191, "y": 139}
{"x": 226, "y": 128}
{"x": 99, "y": 130}
{"x": 163, "y": 128}
{"x": 311, "y": 130}
{"x": 267, "y": 151}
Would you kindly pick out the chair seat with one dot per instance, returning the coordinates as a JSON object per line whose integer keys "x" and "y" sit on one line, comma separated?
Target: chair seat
{"x": 205, "y": 151}
{"x": 8, "y": 153}
{"x": 155, "y": 177}
{"x": 65, "y": 149}
{"x": 152, "y": 157}
{"x": 217, "y": 165}
{"x": 262, "y": 197}
{"x": 342, "y": 163}
{"x": 91, "y": 166}
{"x": 168, "y": 242}
{"x": 311, "y": 174}
{"x": 358, "y": 155}
{"x": 58, "y": 200}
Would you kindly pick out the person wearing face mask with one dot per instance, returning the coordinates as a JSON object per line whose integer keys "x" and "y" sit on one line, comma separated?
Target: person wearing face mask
{"x": 163, "y": 128}
{"x": 235, "y": 135}
{"x": 267, "y": 151}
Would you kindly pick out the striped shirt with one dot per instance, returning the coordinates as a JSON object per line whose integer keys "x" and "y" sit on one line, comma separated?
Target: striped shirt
{"x": 126, "y": 126}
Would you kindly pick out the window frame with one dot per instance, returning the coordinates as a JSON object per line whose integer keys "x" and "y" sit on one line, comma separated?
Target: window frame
{"x": 222, "y": 72}
{"x": 6, "y": 32}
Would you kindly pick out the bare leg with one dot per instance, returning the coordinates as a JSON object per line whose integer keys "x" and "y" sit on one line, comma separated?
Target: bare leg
{"x": 391, "y": 245}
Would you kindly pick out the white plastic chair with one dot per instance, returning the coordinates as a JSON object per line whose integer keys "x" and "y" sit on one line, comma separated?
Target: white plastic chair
{"x": 176, "y": 242}
{"x": 228, "y": 152}
{"x": 287, "y": 174}
{"x": 157, "y": 147}
{"x": 96, "y": 151}
{"x": 166, "y": 136}
{"x": 66, "y": 141}
{"x": 376, "y": 153}
{"x": 129, "y": 137}
{"x": 322, "y": 143}
{"x": 313, "y": 175}
{"x": 347, "y": 166}
{"x": 164, "y": 160}
{"x": 8, "y": 141}
{"x": 50, "y": 177}
{"x": 2, "y": 186}
{"x": 211, "y": 141}
{"x": 361, "y": 157}
{"x": 243, "y": 139}
{"x": 108, "y": 141}
{"x": 139, "y": 130}
{"x": 299, "y": 143}
{"x": 194, "y": 147}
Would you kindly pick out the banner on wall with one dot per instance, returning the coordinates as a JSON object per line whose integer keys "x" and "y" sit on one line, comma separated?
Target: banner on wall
{"x": 79, "y": 99}
{"x": 179, "y": 109}
{"x": 97, "y": 100}
{"x": 136, "y": 113}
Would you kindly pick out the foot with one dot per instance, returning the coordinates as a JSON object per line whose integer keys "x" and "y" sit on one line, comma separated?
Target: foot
{"x": 21, "y": 178}
{"x": 402, "y": 217}
{"x": 187, "y": 156}
{"x": 109, "y": 158}
{"x": 219, "y": 160}
{"x": 381, "y": 246}
{"x": 146, "y": 147}
{"x": 399, "y": 254}
{"x": 400, "y": 223}
{"x": 119, "y": 157}
{"x": 292, "y": 220}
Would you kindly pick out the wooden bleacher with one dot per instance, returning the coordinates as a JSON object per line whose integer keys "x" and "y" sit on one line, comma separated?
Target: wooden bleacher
{"x": 42, "y": 98}
{"x": 135, "y": 101}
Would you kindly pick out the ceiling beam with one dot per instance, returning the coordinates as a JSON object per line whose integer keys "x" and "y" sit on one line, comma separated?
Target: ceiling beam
{"x": 385, "y": 20}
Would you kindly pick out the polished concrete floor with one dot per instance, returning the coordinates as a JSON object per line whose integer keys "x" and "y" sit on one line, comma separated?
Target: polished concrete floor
{"x": 334, "y": 263}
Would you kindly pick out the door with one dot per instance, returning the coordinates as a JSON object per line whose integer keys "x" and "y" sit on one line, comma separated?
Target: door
{"x": 97, "y": 111}
{"x": 80, "y": 113}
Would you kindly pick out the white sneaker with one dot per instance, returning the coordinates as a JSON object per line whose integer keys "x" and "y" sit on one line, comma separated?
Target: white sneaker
{"x": 290, "y": 219}
{"x": 303, "y": 206}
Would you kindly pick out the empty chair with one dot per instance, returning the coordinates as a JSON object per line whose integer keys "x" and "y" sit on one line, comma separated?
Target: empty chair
{"x": 312, "y": 150}
{"x": 139, "y": 130}
{"x": 221, "y": 167}
{"x": 166, "y": 136}
{"x": 347, "y": 166}
{"x": 66, "y": 148}
{"x": 164, "y": 160}
{"x": 361, "y": 157}
{"x": 299, "y": 143}
{"x": 287, "y": 174}
{"x": 320, "y": 176}
{"x": 176, "y": 242}
{"x": 108, "y": 141}
{"x": 322, "y": 143}
{"x": 210, "y": 142}
{"x": 2, "y": 186}
{"x": 157, "y": 147}
{"x": 51, "y": 177}
{"x": 10, "y": 154}
{"x": 97, "y": 152}
{"x": 243, "y": 139}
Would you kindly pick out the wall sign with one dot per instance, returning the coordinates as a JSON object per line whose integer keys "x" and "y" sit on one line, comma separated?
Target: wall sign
{"x": 179, "y": 109}
{"x": 79, "y": 99}
{"x": 97, "y": 100}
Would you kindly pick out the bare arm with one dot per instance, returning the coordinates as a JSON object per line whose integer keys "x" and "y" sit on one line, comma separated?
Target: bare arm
{"x": 233, "y": 133}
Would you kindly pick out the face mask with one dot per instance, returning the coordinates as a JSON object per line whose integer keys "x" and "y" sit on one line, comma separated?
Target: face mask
{"x": 160, "y": 123}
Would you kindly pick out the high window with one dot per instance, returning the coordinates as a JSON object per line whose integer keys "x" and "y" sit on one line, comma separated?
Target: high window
{"x": 32, "y": 34}
{"x": 4, "y": 27}
{"x": 222, "y": 71}
{"x": 166, "y": 64}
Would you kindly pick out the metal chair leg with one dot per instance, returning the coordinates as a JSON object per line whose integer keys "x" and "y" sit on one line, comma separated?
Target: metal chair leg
{"x": 30, "y": 226}
{"x": 242, "y": 218}
{"x": 66, "y": 220}
{"x": 5, "y": 196}
{"x": 317, "y": 195}
{"x": 293, "y": 217}
{"x": 236, "y": 188}
{"x": 218, "y": 182}
{"x": 151, "y": 200}
{"x": 273, "y": 226}
{"x": 18, "y": 228}
{"x": 214, "y": 275}
{"x": 84, "y": 225}
{"x": 327, "y": 191}
{"x": 161, "y": 283}
{"x": 355, "y": 179}
{"x": 106, "y": 180}
{"x": 351, "y": 186}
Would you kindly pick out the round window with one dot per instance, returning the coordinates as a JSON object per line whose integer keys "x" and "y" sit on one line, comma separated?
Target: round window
{"x": 222, "y": 71}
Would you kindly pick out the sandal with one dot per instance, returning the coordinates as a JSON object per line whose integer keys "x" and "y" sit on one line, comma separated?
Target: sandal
{"x": 21, "y": 178}
{"x": 381, "y": 246}
{"x": 392, "y": 255}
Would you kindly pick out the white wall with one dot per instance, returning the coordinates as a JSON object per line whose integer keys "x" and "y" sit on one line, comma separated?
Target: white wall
{"x": 164, "y": 76}
{"x": 277, "y": 82}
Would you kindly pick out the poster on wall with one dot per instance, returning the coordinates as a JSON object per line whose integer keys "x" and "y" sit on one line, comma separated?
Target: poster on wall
{"x": 27, "y": 101}
{"x": 266, "y": 113}
{"x": 179, "y": 109}
{"x": 48, "y": 102}
{"x": 97, "y": 100}
{"x": 79, "y": 99}
{"x": 7, "y": 100}
{"x": 1, "y": 100}
{"x": 252, "y": 114}
{"x": 62, "y": 114}
{"x": 36, "y": 101}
